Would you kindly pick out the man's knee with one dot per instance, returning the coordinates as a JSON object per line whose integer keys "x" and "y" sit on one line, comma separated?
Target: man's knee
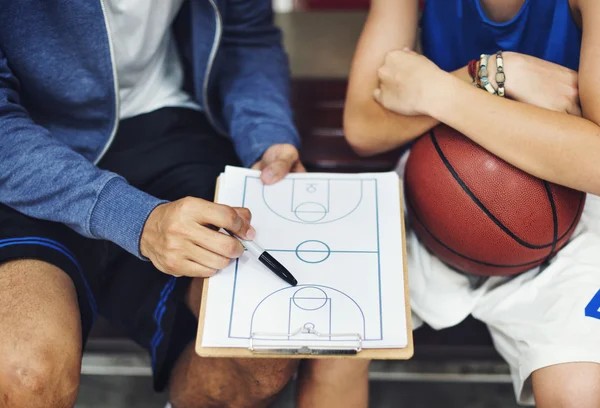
{"x": 40, "y": 336}
{"x": 45, "y": 374}
{"x": 572, "y": 385}
{"x": 224, "y": 382}
{"x": 267, "y": 377}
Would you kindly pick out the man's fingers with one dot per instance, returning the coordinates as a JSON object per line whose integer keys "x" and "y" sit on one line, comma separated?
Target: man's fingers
{"x": 195, "y": 270}
{"x": 276, "y": 170}
{"x": 244, "y": 213}
{"x": 180, "y": 241}
{"x": 205, "y": 257}
{"x": 226, "y": 217}
{"x": 299, "y": 168}
{"x": 217, "y": 242}
{"x": 178, "y": 264}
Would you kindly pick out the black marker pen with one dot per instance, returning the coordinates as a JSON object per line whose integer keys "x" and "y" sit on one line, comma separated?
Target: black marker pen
{"x": 267, "y": 259}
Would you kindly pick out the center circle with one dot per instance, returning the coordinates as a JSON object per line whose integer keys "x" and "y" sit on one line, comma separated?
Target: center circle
{"x": 310, "y": 212}
{"x": 313, "y": 251}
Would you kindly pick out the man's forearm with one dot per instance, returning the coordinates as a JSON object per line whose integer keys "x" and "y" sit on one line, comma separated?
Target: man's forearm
{"x": 254, "y": 81}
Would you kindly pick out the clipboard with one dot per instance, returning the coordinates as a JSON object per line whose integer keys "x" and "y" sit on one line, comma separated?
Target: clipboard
{"x": 354, "y": 350}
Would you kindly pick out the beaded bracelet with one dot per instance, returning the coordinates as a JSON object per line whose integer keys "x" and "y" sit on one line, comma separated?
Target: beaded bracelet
{"x": 483, "y": 74}
{"x": 477, "y": 79}
{"x": 500, "y": 75}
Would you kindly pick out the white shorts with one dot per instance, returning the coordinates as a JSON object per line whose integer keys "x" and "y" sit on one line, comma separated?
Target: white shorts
{"x": 537, "y": 319}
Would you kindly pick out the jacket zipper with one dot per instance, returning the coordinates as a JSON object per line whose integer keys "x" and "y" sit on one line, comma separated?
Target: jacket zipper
{"x": 211, "y": 60}
{"x": 115, "y": 84}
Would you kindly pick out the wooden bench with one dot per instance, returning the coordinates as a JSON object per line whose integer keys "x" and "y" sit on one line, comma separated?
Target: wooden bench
{"x": 461, "y": 353}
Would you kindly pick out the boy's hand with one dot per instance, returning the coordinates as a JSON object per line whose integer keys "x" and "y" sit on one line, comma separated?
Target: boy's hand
{"x": 407, "y": 82}
{"x": 538, "y": 82}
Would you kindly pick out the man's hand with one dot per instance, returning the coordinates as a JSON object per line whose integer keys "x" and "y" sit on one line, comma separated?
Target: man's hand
{"x": 180, "y": 238}
{"x": 277, "y": 162}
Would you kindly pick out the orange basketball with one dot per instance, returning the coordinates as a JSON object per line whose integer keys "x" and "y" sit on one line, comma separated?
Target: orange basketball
{"x": 480, "y": 214}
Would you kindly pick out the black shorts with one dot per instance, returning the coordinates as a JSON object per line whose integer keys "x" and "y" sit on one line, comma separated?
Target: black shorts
{"x": 170, "y": 153}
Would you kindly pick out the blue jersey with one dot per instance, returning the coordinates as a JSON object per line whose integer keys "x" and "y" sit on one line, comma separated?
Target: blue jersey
{"x": 457, "y": 31}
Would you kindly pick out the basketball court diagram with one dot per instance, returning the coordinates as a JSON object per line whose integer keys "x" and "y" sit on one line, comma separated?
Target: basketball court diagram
{"x": 323, "y": 213}
{"x": 311, "y": 200}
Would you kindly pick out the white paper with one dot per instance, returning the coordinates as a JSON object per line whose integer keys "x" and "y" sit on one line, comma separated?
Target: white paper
{"x": 340, "y": 236}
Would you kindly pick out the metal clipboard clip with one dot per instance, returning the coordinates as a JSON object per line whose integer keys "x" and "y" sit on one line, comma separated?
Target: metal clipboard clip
{"x": 291, "y": 343}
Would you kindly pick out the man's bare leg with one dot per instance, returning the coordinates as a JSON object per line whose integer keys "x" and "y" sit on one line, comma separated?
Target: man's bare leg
{"x": 40, "y": 336}
{"x": 333, "y": 383}
{"x": 218, "y": 382}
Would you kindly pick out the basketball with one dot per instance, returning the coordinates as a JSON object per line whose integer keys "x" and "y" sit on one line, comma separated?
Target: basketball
{"x": 478, "y": 213}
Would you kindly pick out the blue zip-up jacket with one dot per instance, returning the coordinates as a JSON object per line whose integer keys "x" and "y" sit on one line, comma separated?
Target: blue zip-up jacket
{"x": 59, "y": 104}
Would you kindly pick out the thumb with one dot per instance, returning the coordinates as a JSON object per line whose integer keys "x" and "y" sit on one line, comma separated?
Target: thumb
{"x": 275, "y": 171}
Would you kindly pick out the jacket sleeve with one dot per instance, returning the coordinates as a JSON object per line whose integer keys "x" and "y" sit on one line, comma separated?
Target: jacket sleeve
{"x": 43, "y": 178}
{"x": 254, "y": 80}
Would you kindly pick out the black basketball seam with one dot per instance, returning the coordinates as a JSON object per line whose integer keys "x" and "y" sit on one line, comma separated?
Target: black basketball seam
{"x": 541, "y": 260}
{"x": 473, "y": 197}
{"x": 411, "y": 208}
{"x": 575, "y": 219}
{"x": 554, "y": 219}
{"x": 571, "y": 227}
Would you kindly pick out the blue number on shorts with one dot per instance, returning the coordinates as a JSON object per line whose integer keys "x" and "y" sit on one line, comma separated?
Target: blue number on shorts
{"x": 593, "y": 308}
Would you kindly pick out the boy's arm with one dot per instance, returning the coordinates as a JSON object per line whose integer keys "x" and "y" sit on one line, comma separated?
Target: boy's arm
{"x": 369, "y": 128}
{"x": 553, "y": 145}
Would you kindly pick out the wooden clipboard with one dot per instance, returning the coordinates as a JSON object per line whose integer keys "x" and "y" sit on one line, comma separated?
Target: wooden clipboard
{"x": 366, "y": 353}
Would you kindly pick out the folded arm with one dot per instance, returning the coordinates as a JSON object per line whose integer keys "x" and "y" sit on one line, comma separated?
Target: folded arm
{"x": 551, "y": 144}
{"x": 368, "y": 127}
